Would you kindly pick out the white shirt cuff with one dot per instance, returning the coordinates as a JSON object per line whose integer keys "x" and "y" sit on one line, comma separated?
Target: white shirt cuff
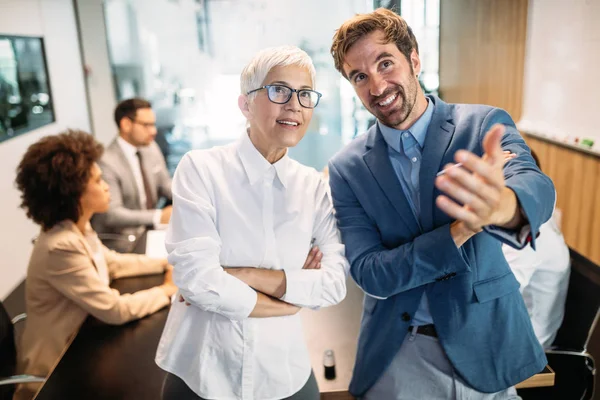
{"x": 302, "y": 287}
{"x": 240, "y": 303}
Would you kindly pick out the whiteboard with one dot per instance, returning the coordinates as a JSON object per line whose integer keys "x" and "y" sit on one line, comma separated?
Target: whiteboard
{"x": 561, "y": 97}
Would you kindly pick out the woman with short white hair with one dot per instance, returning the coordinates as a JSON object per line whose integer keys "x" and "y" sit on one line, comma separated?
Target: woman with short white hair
{"x": 252, "y": 239}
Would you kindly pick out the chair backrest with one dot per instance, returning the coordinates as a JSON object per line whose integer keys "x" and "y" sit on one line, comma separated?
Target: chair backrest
{"x": 582, "y": 305}
{"x": 8, "y": 352}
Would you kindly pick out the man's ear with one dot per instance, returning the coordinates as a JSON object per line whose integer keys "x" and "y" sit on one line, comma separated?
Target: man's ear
{"x": 415, "y": 62}
{"x": 244, "y": 105}
{"x": 125, "y": 124}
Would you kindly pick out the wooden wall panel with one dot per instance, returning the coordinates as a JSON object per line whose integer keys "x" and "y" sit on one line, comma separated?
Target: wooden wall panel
{"x": 482, "y": 52}
{"x": 482, "y": 59}
{"x": 576, "y": 176}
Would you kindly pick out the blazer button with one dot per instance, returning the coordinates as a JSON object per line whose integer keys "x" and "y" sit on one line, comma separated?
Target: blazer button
{"x": 405, "y": 317}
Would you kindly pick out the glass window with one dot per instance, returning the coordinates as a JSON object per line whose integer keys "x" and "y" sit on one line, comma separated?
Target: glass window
{"x": 185, "y": 57}
{"x": 423, "y": 16}
{"x": 25, "y": 100}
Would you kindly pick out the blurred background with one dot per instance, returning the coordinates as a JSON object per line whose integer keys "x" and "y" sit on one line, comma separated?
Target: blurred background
{"x": 185, "y": 56}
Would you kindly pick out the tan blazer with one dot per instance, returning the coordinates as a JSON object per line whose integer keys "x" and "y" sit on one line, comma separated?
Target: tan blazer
{"x": 63, "y": 287}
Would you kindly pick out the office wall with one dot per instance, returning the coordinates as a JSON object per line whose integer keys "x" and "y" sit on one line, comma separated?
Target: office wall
{"x": 576, "y": 176}
{"x": 99, "y": 81}
{"x": 561, "y": 99}
{"x": 482, "y": 52}
{"x": 545, "y": 51}
{"x": 562, "y": 77}
{"x": 55, "y": 21}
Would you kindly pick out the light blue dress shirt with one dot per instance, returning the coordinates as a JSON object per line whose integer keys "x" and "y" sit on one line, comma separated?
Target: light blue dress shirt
{"x": 405, "y": 150}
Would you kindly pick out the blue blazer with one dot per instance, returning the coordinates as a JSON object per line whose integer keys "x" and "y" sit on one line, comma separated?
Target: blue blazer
{"x": 479, "y": 314}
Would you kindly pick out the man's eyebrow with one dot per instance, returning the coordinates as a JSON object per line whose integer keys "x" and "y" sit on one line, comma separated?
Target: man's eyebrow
{"x": 385, "y": 54}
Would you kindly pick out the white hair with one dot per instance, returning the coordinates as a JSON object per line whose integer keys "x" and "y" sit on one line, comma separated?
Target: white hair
{"x": 254, "y": 74}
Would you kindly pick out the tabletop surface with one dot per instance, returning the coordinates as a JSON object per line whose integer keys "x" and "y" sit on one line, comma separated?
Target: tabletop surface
{"x": 117, "y": 362}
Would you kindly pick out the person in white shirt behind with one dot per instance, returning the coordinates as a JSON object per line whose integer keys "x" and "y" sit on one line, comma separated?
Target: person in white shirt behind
{"x": 544, "y": 277}
{"x": 253, "y": 239}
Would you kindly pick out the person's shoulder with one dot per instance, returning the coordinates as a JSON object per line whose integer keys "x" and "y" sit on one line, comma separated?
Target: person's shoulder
{"x": 207, "y": 159}
{"x": 471, "y": 108}
{"x": 59, "y": 240}
{"x": 308, "y": 179}
{"x": 110, "y": 154}
{"x": 478, "y": 113}
{"x": 299, "y": 170}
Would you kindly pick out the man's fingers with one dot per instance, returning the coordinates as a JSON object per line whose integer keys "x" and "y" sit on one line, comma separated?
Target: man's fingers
{"x": 459, "y": 193}
{"x": 484, "y": 187}
{"x": 491, "y": 144}
{"x": 458, "y": 212}
{"x": 490, "y": 173}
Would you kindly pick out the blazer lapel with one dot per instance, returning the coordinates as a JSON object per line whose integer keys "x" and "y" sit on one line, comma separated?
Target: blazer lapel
{"x": 439, "y": 135}
{"x": 378, "y": 161}
{"x": 149, "y": 171}
{"x": 126, "y": 168}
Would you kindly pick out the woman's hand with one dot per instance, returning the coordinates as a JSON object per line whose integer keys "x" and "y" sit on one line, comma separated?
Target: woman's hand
{"x": 270, "y": 282}
{"x": 168, "y": 286}
{"x": 313, "y": 260}
{"x": 182, "y": 300}
{"x": 166, "y": 265}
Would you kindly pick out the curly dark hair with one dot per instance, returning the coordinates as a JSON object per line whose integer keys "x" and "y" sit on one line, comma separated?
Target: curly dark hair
{"x": 53, "y": 175}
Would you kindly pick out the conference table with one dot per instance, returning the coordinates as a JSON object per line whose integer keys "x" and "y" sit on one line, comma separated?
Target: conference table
{"x": 117, "y": 362}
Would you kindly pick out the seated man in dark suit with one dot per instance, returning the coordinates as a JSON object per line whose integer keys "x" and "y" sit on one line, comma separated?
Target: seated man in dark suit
{"x": 137, "y": 175}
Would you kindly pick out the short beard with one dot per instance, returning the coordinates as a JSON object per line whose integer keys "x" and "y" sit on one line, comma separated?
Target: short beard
{"x": 399, "y": 114}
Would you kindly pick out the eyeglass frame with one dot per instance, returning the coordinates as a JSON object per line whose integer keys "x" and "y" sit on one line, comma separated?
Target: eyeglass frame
{"x": 147, "y": 125}
{"x": 292, "y": 91}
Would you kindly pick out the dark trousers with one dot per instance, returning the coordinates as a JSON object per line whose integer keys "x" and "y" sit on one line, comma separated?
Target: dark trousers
{"x": 174, "y": 388}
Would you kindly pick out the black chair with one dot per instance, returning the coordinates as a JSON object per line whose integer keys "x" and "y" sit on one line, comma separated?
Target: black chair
{"x": 8, "y": 356}
{"x": 568, "y": 356}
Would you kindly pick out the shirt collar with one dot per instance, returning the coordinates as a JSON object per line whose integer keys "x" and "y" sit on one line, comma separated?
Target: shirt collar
{"x": 128, "y": 148}
{"x": 418, "y": 130}
{"x": 256, "y": 166}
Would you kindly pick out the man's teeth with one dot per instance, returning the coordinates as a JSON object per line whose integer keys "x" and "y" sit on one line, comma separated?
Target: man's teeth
{"x": 388, "y": 101}
{"x": 288, "y": 123}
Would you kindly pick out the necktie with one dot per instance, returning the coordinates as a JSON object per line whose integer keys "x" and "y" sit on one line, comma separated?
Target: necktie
{"x": 149, "y": 203}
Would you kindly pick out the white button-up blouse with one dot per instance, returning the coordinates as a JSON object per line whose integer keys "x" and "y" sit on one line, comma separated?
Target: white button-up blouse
{"x": 231, "y": 207}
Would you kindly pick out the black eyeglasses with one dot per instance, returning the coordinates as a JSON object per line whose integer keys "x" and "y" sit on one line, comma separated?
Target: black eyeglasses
{"x": 146, "y": 125}
{"x": 280, "y": 94}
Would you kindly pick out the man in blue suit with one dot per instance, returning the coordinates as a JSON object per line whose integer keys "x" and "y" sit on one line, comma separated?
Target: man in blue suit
{"x": 443, "y": 317}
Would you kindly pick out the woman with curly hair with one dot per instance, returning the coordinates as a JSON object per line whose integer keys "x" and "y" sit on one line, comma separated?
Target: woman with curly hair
{"x": 69, "y": 270}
